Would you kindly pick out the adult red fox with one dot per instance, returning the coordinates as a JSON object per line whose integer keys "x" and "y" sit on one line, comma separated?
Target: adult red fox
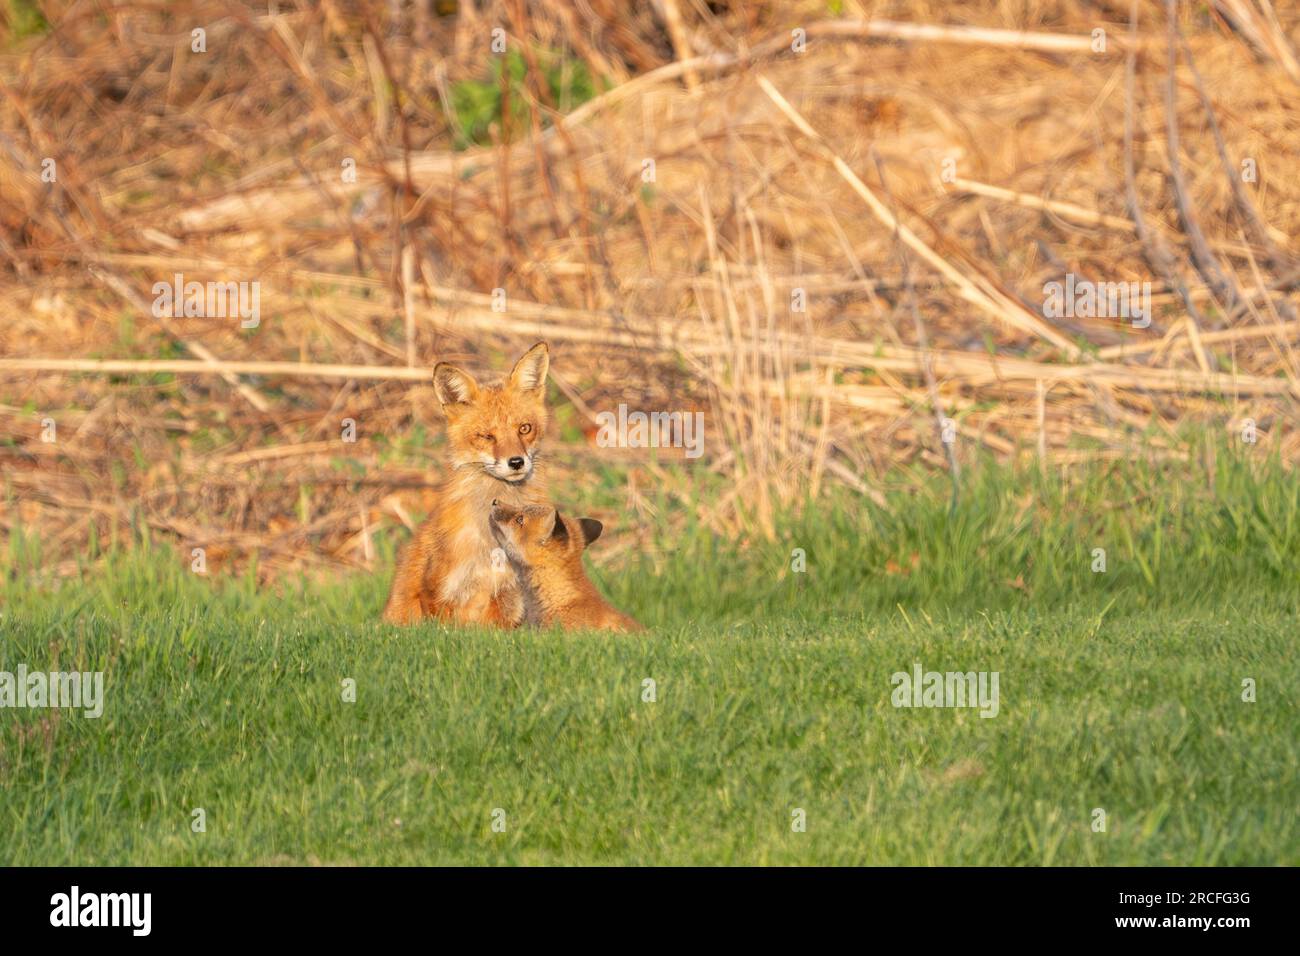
{"x": 546, "y": 549}
{"x": 447, "y": 569}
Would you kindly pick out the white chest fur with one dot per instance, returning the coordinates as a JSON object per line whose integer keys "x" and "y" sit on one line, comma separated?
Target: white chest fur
{"x": 475, "y": 571}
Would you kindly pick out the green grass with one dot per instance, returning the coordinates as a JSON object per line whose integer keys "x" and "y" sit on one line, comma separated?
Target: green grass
{"x": 21, "y": 19}
{"x": 1119, "y": 691}
{"x": 477, "y": 106}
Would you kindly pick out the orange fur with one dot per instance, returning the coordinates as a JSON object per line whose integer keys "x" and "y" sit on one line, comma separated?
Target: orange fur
{"x": 546, "y": 548}
{"x": 447, "y": 570}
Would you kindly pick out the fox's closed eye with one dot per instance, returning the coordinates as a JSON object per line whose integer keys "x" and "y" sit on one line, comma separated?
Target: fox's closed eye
{"x": 486, "y": 437}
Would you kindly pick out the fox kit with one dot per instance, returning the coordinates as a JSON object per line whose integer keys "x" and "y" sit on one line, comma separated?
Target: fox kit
{"x": 447, "y": 570}
{"x": 546, "y": 549}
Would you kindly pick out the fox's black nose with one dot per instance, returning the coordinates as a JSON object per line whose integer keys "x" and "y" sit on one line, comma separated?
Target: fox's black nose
{"x": 516, "y": 463}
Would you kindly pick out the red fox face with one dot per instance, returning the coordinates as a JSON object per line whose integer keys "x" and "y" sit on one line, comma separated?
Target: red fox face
{"x": 534, "y": 531}
{"x": 496, "y": 427}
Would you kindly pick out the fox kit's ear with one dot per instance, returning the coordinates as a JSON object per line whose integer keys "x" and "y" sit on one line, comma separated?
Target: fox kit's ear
{"x": 529, "y": 373}
{"x": 591, "y": 529}
{"x": 559, "y": 533}
{"x": 453, "y": 386}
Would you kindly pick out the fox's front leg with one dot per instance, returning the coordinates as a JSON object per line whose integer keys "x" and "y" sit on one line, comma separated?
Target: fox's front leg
{"x": 491, "y": 607}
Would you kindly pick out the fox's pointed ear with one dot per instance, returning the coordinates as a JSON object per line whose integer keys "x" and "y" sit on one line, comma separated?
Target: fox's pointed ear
{"x": 452, "y": 386}
{"x": 529, "y": 373}
{"x": 560, "y": 532}
{"x": 591, "y": 529}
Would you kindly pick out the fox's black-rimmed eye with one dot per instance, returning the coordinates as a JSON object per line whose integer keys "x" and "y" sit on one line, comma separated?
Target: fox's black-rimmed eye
{"x": 487, "y": 437}
{"x": 525, "y": 428}
{"x": 519, "y": 519}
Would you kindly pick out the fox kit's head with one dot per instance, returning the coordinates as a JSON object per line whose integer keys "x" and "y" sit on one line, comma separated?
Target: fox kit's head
{"x": 539, "y": 534}
{"x": 496, "y": 427}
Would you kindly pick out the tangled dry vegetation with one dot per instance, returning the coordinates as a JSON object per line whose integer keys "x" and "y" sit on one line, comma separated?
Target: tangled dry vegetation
{"x": 780, "y": 178}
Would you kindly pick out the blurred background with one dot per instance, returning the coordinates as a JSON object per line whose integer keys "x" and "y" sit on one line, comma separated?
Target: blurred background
{"x": 828, "y": 226}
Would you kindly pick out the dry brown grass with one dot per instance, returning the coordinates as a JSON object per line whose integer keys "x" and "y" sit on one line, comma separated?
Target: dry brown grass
{"x": 773, "y": 172}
